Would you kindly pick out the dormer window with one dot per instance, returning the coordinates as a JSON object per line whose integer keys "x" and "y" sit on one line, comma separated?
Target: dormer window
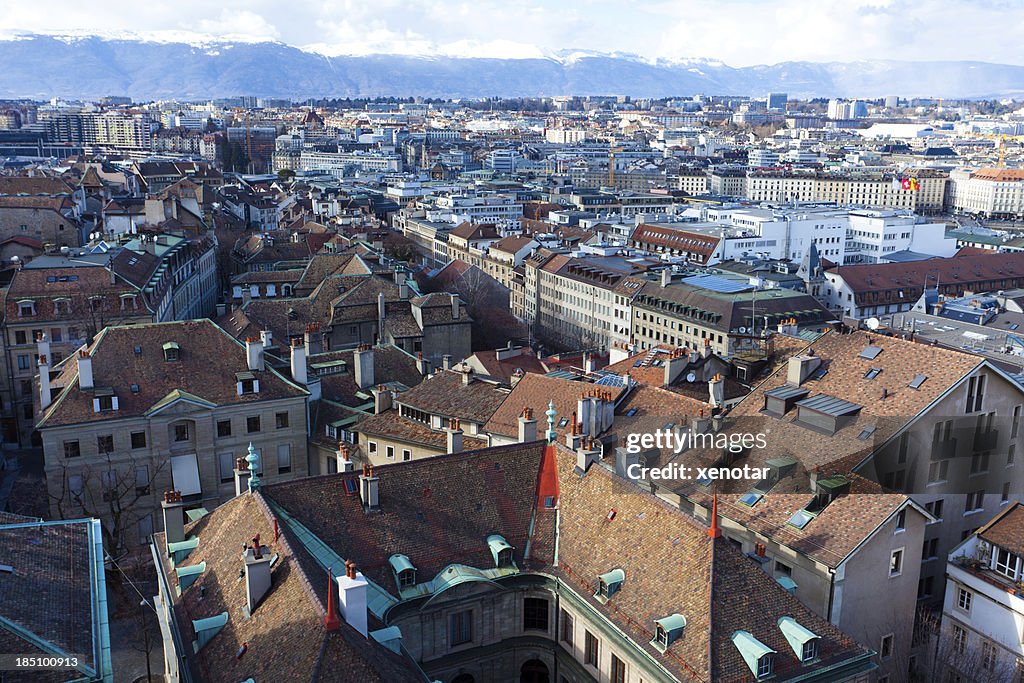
{"x": 26, "y": 308}
{"x": 758, "y": 657}
{"x": 668, "y": 631}
{"x": 105, "y": 401}
{"x": 501, "y": 551}
{"x": 247, "y": 383}
{"x": 129, "y": 301}
{"x": 405, "y": 572}
{"x": 609, "y": 584}
{"x": 764, "y": 666}
{"x": 62, "y": 306}
{"x": 803, "y": 641}
{"x": 172, "y": 352}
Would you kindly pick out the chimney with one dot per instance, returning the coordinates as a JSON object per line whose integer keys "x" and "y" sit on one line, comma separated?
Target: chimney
{"x": 694, "y": 355}
{"x": 266, "y": 336}
{"x": 343, "y": 459}
{"x": 707, "y": 348}
{"x": 314, "y": 339}
{"x": 242, "y": 475}
{"x": 455, "y": 306}
{"x": 257, "y": 573}
{"x": 331, "y": 620}
{"x": 508, "y": 352}
{"x": 583, "y": 407}
{"x": 716, "y": 391}
{"x": 700, "y": 424}
{"x": 299, "y": 372}
{"x": 381, "y": 399}
{"x": 84, "y": 370}
{"x": 800, "y": 368}
{"x": 574, "y": 437}
{"x": 446, "y": 361}
{"x": 43, "y": 344}
{"x": 587, "y": 454}
{"x": 369, "y": 488}
{"x": 714, "y": 531}
{"x": 381, "y": 314}
{"x": 254, "y": 353}
{"x": 454, "y": 433}
{"x": 364, "y": 366}
{"x": 403, "y": 290}
{"x": 422, "y": 364}
{"x": 666, "y": 277}
{"x": 527, "y": 426}
{"x": 589, "y": 365}
{"x": 517, "y": 375}
{"x": 623, "y": 459}
{"x": 174, "y": 517}
{"x": 813, "y": 476}
{"x": 674, "y": 366}
{"x": 352, "y": 590}
{"x": 466, "y": 370}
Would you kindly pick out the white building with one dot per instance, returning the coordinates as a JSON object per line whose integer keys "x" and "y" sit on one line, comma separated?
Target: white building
{"x": 989, "y": 192}
{"x": 502, "y": 160}
{"x": 983, "y": 612}
{"x": 873, "y": 235}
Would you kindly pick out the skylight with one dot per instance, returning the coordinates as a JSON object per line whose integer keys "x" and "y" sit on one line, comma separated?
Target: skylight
{"x": 751, "y": 498}
{"x": 872, "y": 373}
{"x": 800, "y": 519}
{"x": 871, "y": 352}
{"x": 917, "y": 381}
{"x": 867, "y": 432}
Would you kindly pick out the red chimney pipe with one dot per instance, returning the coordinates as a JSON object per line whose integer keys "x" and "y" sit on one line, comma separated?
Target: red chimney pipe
{"x": 713, "y": 530}
{"x": 277, "y": 531}
{"x": 350, "y": 569}
{"x": 332, "y": 622}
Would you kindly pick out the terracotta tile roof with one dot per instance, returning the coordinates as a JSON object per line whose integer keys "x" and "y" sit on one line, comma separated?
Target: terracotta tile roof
{"x": 998, "y": 174}
{"x": 475, "y": 231}
{"x": 390, "y": 426}
{"x": 535, "y": 391}
{"x": 445, "y": 394}
{"x": 285, "y": 635}
{"x": 390, "y": 364}
{"x": 36, "y": 185}
{"x": 701, "y": 244}
{"x": 503, "y": 370}
{"x": 78, "y": 283}
{"x": 209, "y": 359}
{"x": 510, "y": 244}
{"x": 1007, "y": 529}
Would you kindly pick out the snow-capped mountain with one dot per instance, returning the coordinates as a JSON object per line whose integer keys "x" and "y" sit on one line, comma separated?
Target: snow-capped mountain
{"x": 170, "y": 66}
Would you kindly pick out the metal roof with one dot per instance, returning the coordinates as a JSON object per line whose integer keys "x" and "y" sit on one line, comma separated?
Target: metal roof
{"x": 787, "y": 391}
{"x": 829, "y": 405}
{"x": 718, "y": 283}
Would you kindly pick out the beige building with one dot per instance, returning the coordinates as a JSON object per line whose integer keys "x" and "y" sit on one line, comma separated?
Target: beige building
{"x": 147, "y": 408}
{"x": 870, "y": 190}
{"x": 989, "y": 192}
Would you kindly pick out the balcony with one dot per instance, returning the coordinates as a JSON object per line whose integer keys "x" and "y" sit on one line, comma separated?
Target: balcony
{"x": 981, "y": 570}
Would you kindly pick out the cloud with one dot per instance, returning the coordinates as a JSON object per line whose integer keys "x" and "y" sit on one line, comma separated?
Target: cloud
{"x": 738, "y": 32}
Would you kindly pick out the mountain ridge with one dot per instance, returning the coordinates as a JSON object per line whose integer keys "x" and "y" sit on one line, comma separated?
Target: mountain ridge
{"x": 45, "y": 66}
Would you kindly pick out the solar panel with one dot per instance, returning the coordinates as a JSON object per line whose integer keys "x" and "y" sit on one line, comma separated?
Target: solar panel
{"x": 871, "y": 352}
{"x": 917, "y": 381}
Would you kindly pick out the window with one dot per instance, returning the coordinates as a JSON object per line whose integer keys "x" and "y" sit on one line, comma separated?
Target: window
{"x": 181, "y": 432}
{"x": 618, "y": 670}
{"x": 935, "y": 508}
{"x": 105, "y": 403}
{"x": 959, "y": 640}
{"x": 145, "y": 529}
{"x": 142, "y": 480}
{"x": 247, "y": 386}
{"x": 783, "y": 569}
{"x": 406, "y": 455}
{"x": 567, "y": 624}
{"x": 252, "y": 424}
{"x": 988, "y": 655}
{"x": 56, "y": 334}
{"x": 105, "y": 443}
{"x": 975, "y": 393}
{"x": 26, "y": 309}
{"x": 284, "y": 458}
{"x": 138, "y": 439}
{"x": 535, "y": 614}
{"x": 72, "y": 449}
{"x": 896, "y": 563}
{"x": 1011, "y": 454}
{"x": 764, "y": 666}
{"x": 964, "y": 598}
{"x": 810, "y": 650}
{"x": 20, "y": 337}
{"x": 223, "y": 428}
{"x": 371, "y": 446}
{"x": 226, "y": 466}
{"x": 901, "y": 520}
{"x": 590, "y": 650}
{"x": 1005, "y": 497}
{"x": 24, "y": 361}
{"x": 937, "y": 471}
{"x": 281, "y": 420}
{"x": 1015, "y": 425}
{"x": 885, "y": 650}
{"x": 460, "y": 628}
{"x": 390, "y": 452}
{"x": 975, "y": 501}
{"x": 925, "y": 586}
{"x": 930, "y": 549}
{"x": 979, "y": 463}
{"x": 1007, "y": 563}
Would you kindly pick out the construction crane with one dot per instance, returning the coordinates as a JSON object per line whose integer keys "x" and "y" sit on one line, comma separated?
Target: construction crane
{"x": 611, "y": 165}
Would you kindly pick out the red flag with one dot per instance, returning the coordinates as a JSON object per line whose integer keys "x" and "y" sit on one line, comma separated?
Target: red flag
{"x": 905, "y": 183}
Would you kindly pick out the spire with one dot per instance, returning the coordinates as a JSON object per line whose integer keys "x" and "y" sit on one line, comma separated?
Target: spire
{"x": 253, "y": 458}
{"x": 714, "y": 531}
{"x": 332, "y": 622}
{"x": 552, "y": 435}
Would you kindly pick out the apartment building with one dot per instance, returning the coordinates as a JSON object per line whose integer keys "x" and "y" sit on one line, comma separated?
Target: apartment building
{"x": 989, "y": 192}
{"x": 984, "y": 603}
{"x": 151, "y": 407}
{"x": 868, "y": 190}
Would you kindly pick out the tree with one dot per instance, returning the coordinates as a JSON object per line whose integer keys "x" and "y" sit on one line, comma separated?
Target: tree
{"x": 285, "y": 174}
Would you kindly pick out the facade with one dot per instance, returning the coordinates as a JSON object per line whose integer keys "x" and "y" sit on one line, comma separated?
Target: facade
{"x": 145, "y": 408}
{"x": 868, "y": 190}
{"x": 988, "y": 192}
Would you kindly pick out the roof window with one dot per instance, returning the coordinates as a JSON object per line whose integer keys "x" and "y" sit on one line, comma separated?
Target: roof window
{"x": 609, "y": 584}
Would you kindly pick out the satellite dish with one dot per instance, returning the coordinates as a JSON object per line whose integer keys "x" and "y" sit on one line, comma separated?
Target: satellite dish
{"x": 691, "y": 377}
{"x": 872, "y": 323}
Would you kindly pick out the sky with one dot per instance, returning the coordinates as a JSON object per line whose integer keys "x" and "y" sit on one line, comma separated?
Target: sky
{"x": 736, "y": 32}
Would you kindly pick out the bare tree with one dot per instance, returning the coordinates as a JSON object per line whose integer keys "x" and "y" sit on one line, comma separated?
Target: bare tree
{"x": 953, "y": 653}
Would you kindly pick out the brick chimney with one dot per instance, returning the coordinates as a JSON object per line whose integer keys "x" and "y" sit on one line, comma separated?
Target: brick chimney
{"x": 300, "y": 373}
{"x": 257, "y": 573}
{"x": 174, "y": 517}
{"x": 381, "y": 399}
{"x": 242, "y": 475}
{"x": 527, "y": 426}
{"x": 352, "y": 594}
{"x": 369, "y": 488}
{"x": 363, "y": 357}
{"x": 85, "y": 380}
{"x": 254, "y": 353}
{"x": 454, "y": 434}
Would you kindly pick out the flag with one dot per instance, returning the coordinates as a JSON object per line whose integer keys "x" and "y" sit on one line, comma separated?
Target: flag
{"x": 895, "y": 182}
{"x": 914, "y": 185}
{"x": 905, "y": 183}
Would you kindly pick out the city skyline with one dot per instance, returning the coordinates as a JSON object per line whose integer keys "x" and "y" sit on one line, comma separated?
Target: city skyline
{"x": 738, "y": 33}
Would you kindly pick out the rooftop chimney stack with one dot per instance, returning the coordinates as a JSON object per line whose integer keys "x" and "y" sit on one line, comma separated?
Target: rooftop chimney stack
{"x": 352, "y": 593}
{"x": 716, "y": 391}
{"x": 300, "y": 374}
{"x": 422, "y": 364}
{"x": 43, "y": 344}
{"x": 583, "y": 407}
{"x": 342, "y": 458}
{"x": 588, "y": 453}
{"x": 574, "y": 437}
{"x": 267, "y": 337}
{"x": 527, "y": 426}
{"x": 623, "y": 460}
{"x": 174, "y": 517}
{"x": 242, "y": 475}
{"x": 707, "y": 348}
{"x": 666, "y": 277}
{"x": 446, "y": 361}
{"x": 466, "y": 370}
{"x": 313, "y": 339}
{"x": 85, "y": 380}
{"x": 800, "y": 368}
{"x": 45, "y": 395}
{"x": 257, "y": 573}
{"x": 455, "y": 307}
{"x": 369, "y": 488}
{"x": 589, "y": 364}
{"x": 454, "y": 434}
{"x": 364, "y": 366}
{"x": 675, "y": 365}
{"x": 381, "y": 399}
{"x": 254, "y": 353}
